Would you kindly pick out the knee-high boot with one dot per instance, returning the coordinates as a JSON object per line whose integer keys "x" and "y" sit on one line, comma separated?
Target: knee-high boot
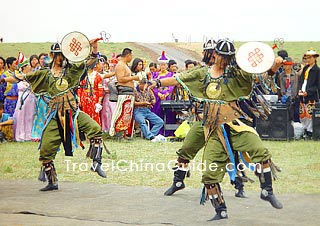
{"x": 179, "y": 175}
{"x": 265, "y": 178}
{"x": 95, "y": 153}
{"x": 239, "y": 184}
{"x": 48, "y": 172}
{"x": 216, "y": 198}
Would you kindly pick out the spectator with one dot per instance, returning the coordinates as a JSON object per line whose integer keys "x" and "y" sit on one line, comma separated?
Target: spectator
{"x": 2, "y": 70}
{"x": 122, "y": 117}
{"x": 6, "y": 122}
{"x": 276, "y": 80}
{"x": 25, "y": 109}
{"x": 144, "y": 100}
{"x": 91, "y": 92}
{"x": 152, "y": 69}
{"x": 10, "y": 89}
{"x": 309, "y": 84}
{"x": 172, "y": 66}
{"x": 163, "y": 93}
{"x": 137, "y": 69}
{"x": 34, "y": 62}
{"x": 189, "y": 64}
{"x": 43, "y": 60}
{"x": 289, "y": 80}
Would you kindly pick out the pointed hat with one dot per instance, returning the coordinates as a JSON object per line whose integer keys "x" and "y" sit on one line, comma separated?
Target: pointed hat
{"x": 163, "y": 58}
{"x": 22, "y": 60}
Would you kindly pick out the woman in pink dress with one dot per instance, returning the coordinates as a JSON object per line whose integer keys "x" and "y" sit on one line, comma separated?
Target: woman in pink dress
{"x": 25, "y": 108}
{"x": 107, "y": 106}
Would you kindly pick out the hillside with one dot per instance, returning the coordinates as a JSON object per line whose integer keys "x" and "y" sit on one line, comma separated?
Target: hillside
{"x": 295, "y": 49}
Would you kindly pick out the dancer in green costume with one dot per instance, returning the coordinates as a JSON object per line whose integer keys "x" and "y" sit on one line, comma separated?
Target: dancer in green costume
{"x": 64, "y": 120}
{"x": 195, "y": 141}
{"x": 220, "y": 89}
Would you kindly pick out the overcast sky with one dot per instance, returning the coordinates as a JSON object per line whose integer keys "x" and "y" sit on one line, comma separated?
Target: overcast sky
{"x": 157, "y": 20}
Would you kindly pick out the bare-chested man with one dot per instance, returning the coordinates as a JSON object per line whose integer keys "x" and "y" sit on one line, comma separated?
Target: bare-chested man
{"x": 121, "y": 119}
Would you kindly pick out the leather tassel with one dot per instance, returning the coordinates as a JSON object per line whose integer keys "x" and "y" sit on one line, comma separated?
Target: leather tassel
{"x": 90, "y": 151}
{"x": 205, "y": 113}
{"x": 266, "y": 103}
{"x": 239, "y": 110}
{"x": 262, "y": 114}
{"x": 252, "y": 110}
{"x": 274, "y": 170}
{"x": 263, "y": 86}
{"x": 105, "y": 147}
{"x": 42, "y": 175}
{"x": 218, "y": 113}
{"x": 204, "y": 196}
{"x": 264, "y": 106}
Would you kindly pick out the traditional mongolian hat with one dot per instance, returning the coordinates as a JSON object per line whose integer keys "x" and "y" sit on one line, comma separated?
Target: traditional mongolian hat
{"x": 311, "y": 52}
{"x": 56, "y": 48}
{"x": 22, "y": 60}
{"x": 209, "y": 44}
{"x": 163, "y": 59}
{"x": 225, "y": 47}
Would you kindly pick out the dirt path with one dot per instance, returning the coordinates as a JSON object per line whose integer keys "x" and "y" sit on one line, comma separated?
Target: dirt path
{"x": 179, "y": 55}
{"x": 113, "y": 205}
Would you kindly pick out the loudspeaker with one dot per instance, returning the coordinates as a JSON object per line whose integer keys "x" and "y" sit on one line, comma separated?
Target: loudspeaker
{"x": 277, "y": 126}
{"x": 316, "y": 124}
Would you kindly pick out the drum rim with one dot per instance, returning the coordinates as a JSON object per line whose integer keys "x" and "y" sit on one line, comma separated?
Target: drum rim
{"x": 82, "y": 35}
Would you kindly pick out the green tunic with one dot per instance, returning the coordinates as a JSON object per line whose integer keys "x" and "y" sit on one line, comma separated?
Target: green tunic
{"x": 62, "y": 103}
{"x": 42, "y": 81}
{"x": 225, "y": 92}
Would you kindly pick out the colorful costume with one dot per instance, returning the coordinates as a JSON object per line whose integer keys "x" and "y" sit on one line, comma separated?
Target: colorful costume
{"x": 24, "y": 113}
{"x": 41, "y": 112}
{"x": 107, "y": 107}
{"x": 10, "y": 94}
{"x": 65, "y": 120}
{"x": 225, "y": 128}
{"x": 309, "y": 82}
{"x": 2, "y": 88}
{"x": 195, "y": 141}
{"x": 6, "y": 132}
{"x": 90, "y": 92}
{"x": 164, "y": 92}
{"x": 122, "y": 116}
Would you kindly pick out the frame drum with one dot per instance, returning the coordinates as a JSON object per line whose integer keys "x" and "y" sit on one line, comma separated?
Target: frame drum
{"x": 75, "y": 46}
{"x": 255, "y": 57}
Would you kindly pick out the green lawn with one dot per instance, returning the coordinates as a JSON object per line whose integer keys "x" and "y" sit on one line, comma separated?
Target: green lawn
{"x": 299, "y": 160}
{"x": 12, "y": 49}
{"x": 295, "y": 49}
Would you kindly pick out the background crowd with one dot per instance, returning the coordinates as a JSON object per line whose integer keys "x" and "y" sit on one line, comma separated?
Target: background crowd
{"x": 23, "y": 114}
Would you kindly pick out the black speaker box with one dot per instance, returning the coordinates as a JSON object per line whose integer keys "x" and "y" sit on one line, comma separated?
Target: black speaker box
{"x": 277, "y": 126}
{"x": 316, "y": 124}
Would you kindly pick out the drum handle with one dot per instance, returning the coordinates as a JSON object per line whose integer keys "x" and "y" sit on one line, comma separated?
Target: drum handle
{"x": 277, "y": 40}
{"x": 104, "y": 36}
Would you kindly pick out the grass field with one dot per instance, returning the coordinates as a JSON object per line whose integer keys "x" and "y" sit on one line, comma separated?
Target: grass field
{"x": 12, "y": 49}
{"x": 299, "y": 160}
{"x": 295, "y": 49}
